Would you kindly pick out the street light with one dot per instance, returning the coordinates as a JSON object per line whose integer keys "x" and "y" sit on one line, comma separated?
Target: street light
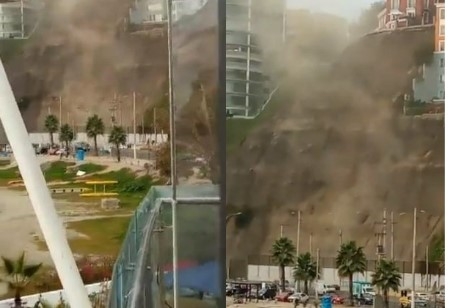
{"x": 415, "y": 214}
{"x": 228, "y": 218}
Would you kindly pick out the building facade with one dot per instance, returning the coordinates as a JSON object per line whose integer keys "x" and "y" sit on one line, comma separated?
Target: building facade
{"x": 429, "y": 86}
{"x": 248, "y": 85}
{"x": 155, "y": 11}
{"x": 18, "y": 19}
{"x": 406, "y": 13}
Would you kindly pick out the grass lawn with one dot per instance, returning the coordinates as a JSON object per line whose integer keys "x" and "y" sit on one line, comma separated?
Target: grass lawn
{"x": 238, "y": 129}
{"x": 105, "y": 236}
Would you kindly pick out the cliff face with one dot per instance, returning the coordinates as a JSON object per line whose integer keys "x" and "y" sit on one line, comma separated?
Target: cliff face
{"x": 82, "y": 52}
{"x": 336, "y": 149}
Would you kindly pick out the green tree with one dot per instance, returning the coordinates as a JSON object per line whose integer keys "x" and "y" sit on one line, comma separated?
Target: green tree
{"x": 351, "y": 259}
{"x": 283, "y": 254}
{"x": 95, "y": 127}
{"x": 18, "y": 275}
{"x": 305, "y": 269}
{"x": 51, "y": 125}
{"x": 117, "y": 138}
{"x": 387, "y": 277}
{"x": 66, "y": 135}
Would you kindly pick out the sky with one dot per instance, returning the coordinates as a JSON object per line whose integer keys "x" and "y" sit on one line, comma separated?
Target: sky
{"x": 349, "y": 9}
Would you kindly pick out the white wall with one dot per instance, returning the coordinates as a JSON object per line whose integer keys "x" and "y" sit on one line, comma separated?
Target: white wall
{"x": 330, "y": 276}
{"x": 52, "y": 297}
{"x": 102, "y": 140}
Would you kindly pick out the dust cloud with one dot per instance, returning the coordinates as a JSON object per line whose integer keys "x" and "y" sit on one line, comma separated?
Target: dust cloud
{"x": 337, "y": 147}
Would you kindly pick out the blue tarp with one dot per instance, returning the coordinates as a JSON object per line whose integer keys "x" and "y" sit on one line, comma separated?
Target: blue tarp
{"x": 203, "y": 278}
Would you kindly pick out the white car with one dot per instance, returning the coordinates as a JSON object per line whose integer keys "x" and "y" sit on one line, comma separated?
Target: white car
{"x": 423, "y": 296}
{"x": 301, "y": 296}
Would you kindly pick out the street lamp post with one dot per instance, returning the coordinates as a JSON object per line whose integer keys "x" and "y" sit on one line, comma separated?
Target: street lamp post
{"x": 415, "y": 214}
{"x": 228, "y": 218}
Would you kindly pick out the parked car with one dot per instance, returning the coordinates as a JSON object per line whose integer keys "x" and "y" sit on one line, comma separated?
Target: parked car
{"x": 365, "y": 299}
{"x": 283, "y": 296}
{"x": 423, "y": 296}
{"x": 337, "y": 299}
{"x": 302, "y": 297}
{"x": 82, "y": 146}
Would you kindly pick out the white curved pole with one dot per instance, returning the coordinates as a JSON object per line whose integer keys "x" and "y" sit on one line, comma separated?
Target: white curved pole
{"x": 50, "y": 223}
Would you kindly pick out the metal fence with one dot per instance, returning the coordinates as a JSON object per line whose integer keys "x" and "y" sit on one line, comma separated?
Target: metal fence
{"x": 148, "y": 273}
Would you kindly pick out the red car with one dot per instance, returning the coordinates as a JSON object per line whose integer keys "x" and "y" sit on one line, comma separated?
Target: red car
{"x": 337, "y": 300}
{"x": 283, "y": 297}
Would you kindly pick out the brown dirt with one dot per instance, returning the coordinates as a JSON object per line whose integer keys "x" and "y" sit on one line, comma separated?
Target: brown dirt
{"x": 337, "y": 149}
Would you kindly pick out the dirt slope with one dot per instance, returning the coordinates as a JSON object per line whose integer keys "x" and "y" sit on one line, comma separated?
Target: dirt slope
{"x": 336, "y": 149}
{"x": 82, "y": 52}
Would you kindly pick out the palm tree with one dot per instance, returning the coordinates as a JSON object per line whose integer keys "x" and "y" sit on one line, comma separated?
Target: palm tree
{"x": 117, "y": 138}
{"x": 94, "y": 127}
{"x": 18, "y": 275}
{"x": 66, "y": 135}
{"x": 305, "y": 269}
{"x": 350, "y": 260}
{"x": 386, "y": 277}
{"x": 51, "y": 125}
{"x": 283, "y": 254}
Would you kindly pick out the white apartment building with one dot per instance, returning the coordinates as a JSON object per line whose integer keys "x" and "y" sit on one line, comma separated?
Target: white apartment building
{"x": 148, "y": 11}
{"x": 19, "y": 18}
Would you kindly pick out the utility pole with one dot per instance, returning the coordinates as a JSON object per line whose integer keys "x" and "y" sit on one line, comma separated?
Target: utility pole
{"x": 282, "y": 230}
{"x": 298, "y": 233}
{"x": 22, "y": 19}
{"x": 340, "y": 236}
{"x": 60, "y": 111}
{"x": 134, "y": 126}
{"x": 154, "y": 124}
{"x": 381, "y": 236}
{"x": 49, "y": 110}
{"x": 310, "y": 243}
{"x": 427, "y": 268}
{"x": 392, "y": 223}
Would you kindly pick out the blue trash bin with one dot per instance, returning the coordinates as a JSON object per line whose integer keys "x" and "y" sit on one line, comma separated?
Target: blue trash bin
{"x": 326, "y": 301}
{"x": 80, "y": 155}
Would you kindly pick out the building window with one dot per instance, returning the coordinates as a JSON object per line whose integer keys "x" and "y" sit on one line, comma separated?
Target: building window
{"x": 441, "y": 30}
{"x": 442, "y": 78}
{"x": 442, "y": 62}
{"x": 411, "y": 3}
{"x": 442, "y": 13}
{"x": 395, "y": 4}
{"x": 441, "y": 45}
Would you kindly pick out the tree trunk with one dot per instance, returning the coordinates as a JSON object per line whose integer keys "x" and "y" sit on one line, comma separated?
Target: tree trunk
{"x": 67, "y": 149}
{"x": 52, "y": 141}
{"x": 306, "y": 286}
{"x": 17, "y": 299}
{"x": 95, "y": 145}
{"x": 118, "y": 152}
{"x": 386, "y": 304}
{"x": 283, "y": 278}
{"x": 351, "y": 287}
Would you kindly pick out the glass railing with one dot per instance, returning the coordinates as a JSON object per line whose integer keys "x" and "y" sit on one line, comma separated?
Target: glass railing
{"x": 144, "y": 272}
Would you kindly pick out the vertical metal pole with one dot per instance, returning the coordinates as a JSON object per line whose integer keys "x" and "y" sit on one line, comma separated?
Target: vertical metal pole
{"x": 43, "y": 205}
{"x": 427, "y": 268}
{"x": 298, "y": 233}
{"x": 154, "y": 125}
{"x": 392, "y": 236}
{"x": 340, "y": 236}
{"x": 60, "y": 112}
{"x": 384, "y": 231}
{"x": 413, "y": 257}
{"x": 22, "y": 19}
{"x": 284, "y": 22}
{"x": 173, "y": 175}
{"x": 317, "y": 270}
{"x": 49, "y": 110}
{"x": 310, "y": 243}
{"x": 134, "y": 126}
{"x": 282, "y": 230}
